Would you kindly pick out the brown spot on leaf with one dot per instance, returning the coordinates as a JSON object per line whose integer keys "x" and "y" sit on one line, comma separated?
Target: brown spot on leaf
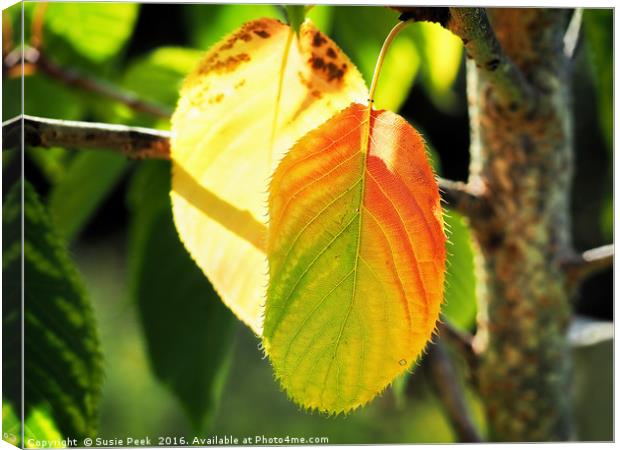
{"x": 330, "y": 70}
{"x": 223, "y": 66}
{"x": 262, "y": 33}
{"x": 334, "y": 72}
{"x": 331, "y": 53}
{"x": 239, "y": 84}
{"x": 317, "y": 62}
{"x": 318, "y": 40}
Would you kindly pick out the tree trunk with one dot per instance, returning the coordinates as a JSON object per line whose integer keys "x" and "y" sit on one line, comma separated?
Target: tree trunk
{"x": 521, "y": 159}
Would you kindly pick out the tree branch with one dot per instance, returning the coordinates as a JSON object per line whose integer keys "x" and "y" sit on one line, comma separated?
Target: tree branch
{"x": 79, "y": 80}
{"x": 462, "y": 197}
{"x": 450, "y": 393}
{"x": 473, "y": 27}
{"x": 133, "y": 142}
{"x": 580, "y": 266}
{"x": 37, "y": 60}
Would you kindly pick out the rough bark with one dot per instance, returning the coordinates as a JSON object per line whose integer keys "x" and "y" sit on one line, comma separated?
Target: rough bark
{"x": 522, "y": 156}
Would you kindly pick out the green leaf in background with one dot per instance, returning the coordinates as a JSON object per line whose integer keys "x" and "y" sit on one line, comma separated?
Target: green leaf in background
{"x": 421, "y": 48}
{"x": 155, "y": 77}
{"x": 460, "y": 287}
{"x": 11, "y": 425}
{"x": 459, "y": 305}
{"x": 598, "y": 28}
{"x": 207, "y": 24}
{"x": 88, "y": 179}
{"x": 63, "y": 364}
{"x": 46, "y": 97}
{"x": 360, "y": 31}
{"x": 40, "y": 426}
{"x": 95, "y": 31}
{"x": 188, "y": 330}
{"x": 441, "y": 60}
{"x": 52, "y": 162}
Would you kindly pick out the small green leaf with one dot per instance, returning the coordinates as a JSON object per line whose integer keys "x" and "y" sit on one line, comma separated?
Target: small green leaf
{"x": 459, "y": 305}
{"x": 460, "y": 295}
{"x": 156, "y": 78}
{"x": 88, "y": 180}
{"x": 95, "y": 31}
{"x": 361, "y": 32}
{"x": 188, "y": 330}
{"x": 62, "y": 360}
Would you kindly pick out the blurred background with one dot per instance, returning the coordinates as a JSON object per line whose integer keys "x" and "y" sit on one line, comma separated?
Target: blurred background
{"x": 176, "y": 362}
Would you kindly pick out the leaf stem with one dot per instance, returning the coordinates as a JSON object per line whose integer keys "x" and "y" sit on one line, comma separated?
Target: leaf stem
{"x": 386, "y": 45}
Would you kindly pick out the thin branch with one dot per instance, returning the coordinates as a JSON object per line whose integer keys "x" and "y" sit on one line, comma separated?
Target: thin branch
{"x": 450, "y": 392}
{"x": 79, "y": 80}
{"x": 473, "y": 27}
{"x": 133, "y": 142}
{"x": 462, "y": 342}
{"x": 71, "y": 77}
{"x": 578, "y": 267}
{"x": 462, "y": 197}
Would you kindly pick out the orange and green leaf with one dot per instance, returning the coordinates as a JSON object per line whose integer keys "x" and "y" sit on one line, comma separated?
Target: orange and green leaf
{"x": 254, "y": 94}
{"x": 356, "y": 259}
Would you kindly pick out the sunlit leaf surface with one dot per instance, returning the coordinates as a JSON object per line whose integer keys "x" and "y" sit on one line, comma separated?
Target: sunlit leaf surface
{"x": 356, "y": 259}
{"x": 253, "y": 95}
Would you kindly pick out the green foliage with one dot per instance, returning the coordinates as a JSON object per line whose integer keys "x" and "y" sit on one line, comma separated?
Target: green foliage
{"x": 88, "y": 179}
{"x": 95, "y": 31}
{"x": 460, "y": 289}
{"x": 422, "y": 49}
{"x": 39, "y": 426}
{"x": 155, "y": 77}
{"x": 11, "y": 425}
{"x": 61, "y": 102}
{"x": 598, "y": 27}
{"x": 209, "y": 23}
{"x": 63, "y": 365}
{"x": 188, "y": 330}
{"x": 459, "y": 305}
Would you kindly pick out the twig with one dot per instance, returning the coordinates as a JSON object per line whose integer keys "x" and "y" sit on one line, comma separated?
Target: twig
{"x": 71, "y": 77}
{"x": 580, "y": 266}
{"x": 79, "y": 80}
{"x": 133, "y": 142}
{"x": 450, "y": 392}
{"x": 460, "y": 341}
{"x": 462, "y": 197}
{"x": 473, "y": 27}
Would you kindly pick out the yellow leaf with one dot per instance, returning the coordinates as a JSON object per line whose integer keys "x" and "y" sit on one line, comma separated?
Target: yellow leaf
{"x": 254, "y": 94}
